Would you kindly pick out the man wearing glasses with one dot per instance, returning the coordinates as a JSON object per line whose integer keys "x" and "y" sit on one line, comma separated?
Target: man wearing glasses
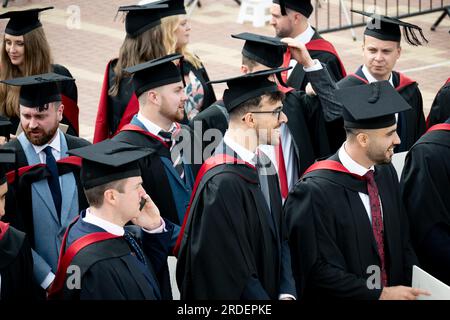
{"x": 232, "y": 245}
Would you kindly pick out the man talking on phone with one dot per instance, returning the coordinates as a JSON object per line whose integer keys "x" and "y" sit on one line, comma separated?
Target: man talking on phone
{"x": 101, "y": 258}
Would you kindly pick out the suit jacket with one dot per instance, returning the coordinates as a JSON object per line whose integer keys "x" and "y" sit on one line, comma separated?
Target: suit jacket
{"x": 46, "y": 229}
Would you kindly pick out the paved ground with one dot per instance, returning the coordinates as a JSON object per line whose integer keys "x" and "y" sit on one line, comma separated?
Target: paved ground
{"x": 85, "y": 48}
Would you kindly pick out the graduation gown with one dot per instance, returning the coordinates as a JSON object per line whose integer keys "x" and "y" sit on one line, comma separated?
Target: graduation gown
{"x": 440, "y": 109}
{"x": 69, "y": 96}
{"x": 331, "y": 238}
{"x": 320, "y": 49}
{"x": 16, "y": 265}
{"x": 107, "y": 267}
{"x": 114, "y": 112}
{"x": 425, "y": 184}
{"x": 410, "y": 124}
{"x": 18, "y": 201}
{"x": 231, "y": 250}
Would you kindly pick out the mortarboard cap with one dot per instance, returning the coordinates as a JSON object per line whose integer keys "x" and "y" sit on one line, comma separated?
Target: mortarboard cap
{"x": 388, "y": 29}
{"x": 155, "y": 73}
{"x": 371, "y": 106}
{"x": 142, "y": 18}
{"x": 108, "y": 161}
{"x": 248, "y": 86}
{"x": 22, "y": 22}
{"x": 7, "y": 156}
{"x": 267, "y": 51}
{"x": 302, "y": 6}
{"x": 176, "y": 7}
{"x": 38, "y": 90}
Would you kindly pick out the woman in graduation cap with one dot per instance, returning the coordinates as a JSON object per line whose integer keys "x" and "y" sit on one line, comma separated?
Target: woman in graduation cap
{"x": 16, "y": 262}
{"x": 25, "y": 51}
{"x": 176, "y": 27}
{"x": 143, "y": 42}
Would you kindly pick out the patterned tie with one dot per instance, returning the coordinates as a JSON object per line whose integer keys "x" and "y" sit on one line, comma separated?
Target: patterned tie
{"x": 178, "y": 162}
{"x": 53, "y": 180}
{"x": 135, "y": 247}
{"x": 377, "y": 221}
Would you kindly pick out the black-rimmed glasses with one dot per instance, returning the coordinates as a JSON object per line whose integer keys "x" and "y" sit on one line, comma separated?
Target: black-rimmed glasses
{"x": 276, "y": 112}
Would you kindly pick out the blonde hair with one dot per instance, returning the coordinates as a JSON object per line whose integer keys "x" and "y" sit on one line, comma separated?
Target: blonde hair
{"x": 146, "y": 46}
{"x": 170, "y": 25}
{"x": 37, "y": 60}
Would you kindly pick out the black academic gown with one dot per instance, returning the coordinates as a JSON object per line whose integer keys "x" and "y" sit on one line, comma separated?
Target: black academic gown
{"x": 18, "y": 201}
{"x": 109, "y": 270}
{"x": 425, "y": 186}
{"x": 440, "y": 109}
{"x": 411, "y": 123}
{"x": 16, "y": 265}
{"x": 297, "y": 78}
{"x": 233, "y": 249}
{"x": 69, "y": 95}
{"x": 331, "y": 238}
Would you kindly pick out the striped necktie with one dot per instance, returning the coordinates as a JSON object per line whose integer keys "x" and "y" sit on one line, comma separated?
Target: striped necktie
{"x": 177, "y": 160}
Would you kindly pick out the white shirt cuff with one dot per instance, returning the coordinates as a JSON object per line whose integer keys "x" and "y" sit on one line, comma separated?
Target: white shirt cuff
{"x": 286, "y": 295}
{"x": 317, "y": 66}
{"x": 160, "y": 229}
{"x": 48, "y": 280}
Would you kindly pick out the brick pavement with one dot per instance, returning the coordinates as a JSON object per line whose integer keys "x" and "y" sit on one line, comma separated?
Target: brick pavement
{"x": 86, "y": 51}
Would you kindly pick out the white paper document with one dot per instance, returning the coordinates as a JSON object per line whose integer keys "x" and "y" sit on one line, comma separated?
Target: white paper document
{"x": 425, "y": 281}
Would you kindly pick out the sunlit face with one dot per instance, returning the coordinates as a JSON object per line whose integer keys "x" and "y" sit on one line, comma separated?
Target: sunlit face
{"x": 183, "y": 32}
{"x": 15, "y": 48}
{"x": 173, "y": 98}
{"x": 281, "y": 24}
{"x": 40, "y": 126}
{"x": 268, "y": 124}
{"x": 380, "y": 56}
{"x": 381, "y": 144}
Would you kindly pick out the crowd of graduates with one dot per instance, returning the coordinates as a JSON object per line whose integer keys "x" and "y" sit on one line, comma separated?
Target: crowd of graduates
{"x": 281, "y": 189}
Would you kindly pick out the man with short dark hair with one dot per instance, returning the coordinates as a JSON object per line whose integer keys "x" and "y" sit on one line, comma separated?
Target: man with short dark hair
{"x": 233, "y": 245}
{"x": 49, "y": 194}
{"x": 348, "y": 230}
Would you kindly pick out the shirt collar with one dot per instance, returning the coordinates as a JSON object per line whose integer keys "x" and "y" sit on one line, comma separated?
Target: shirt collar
{"x": 371, "y": 79}
{"x": 55, "y": 144}
{"x": 102, "y": 223}
{"x": 242, "y": 152}
{"x": 152, "y": 127}
{"x": 350, "y": 164}
{"x": 306, "y": 35}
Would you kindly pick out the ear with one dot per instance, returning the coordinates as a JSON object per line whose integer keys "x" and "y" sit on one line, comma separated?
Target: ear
{"x": 60, "y": 112}
{"x": 109, "y": 196}
{"x": 245, "y": 69}
{"x": 399, "y": 51}
{"x": 249, "y": 120}
{"x": 153, "y": 97}
{"x": 363, "y": 139}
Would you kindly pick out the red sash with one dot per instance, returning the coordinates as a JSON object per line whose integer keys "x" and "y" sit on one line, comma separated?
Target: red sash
{"x": 439, "y": 126}
{"x": 404, "y": 80}
{"x": 331, "y": 165}
{"x": 135, "y": 128}
{"x": 3, "y": 228}
{"x": 11, "y": 175}
{"x": 66, "y": 257}
{"x": 209, "y": 164}
{"x": 71, "y": 112}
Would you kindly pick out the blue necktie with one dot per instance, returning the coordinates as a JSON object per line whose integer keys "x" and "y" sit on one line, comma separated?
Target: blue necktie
{"x": 53, "y": 180}
{"x": 135, "y": 246}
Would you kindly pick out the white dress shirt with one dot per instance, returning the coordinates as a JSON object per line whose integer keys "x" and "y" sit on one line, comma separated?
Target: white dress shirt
{"x": 354, "y": 167}
{"x": 304, "y": 38}
{"x": 151, "y": 126}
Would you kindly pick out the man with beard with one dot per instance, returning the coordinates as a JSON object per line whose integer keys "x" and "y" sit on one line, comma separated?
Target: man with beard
{"x": 167, "y": 172}
{"x": 348, "y": 231}
{"x": 381, "y": 50}
{"x": 290, "y": 20}
{"x": 233, "y": 244}
{"x": 45, "y": 193}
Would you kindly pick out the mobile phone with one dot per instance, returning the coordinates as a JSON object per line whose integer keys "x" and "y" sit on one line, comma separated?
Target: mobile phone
{"x": 142, "y": 203}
